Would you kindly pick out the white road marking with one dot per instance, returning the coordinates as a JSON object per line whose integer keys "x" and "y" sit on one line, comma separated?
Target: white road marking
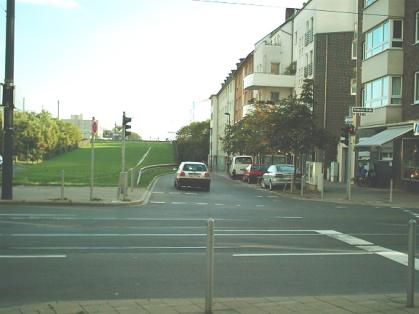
{"x": 219, "y": 204}
{"x": 259, "y": 196}
{"x": 33, "y": 256}
{"x": 395, "y": 256}
{"x": 37, "y": 215}
{"x": 280, "y": 217}
{"x": 260, "y": 205}
{"x": 201, "y": 203}
{"x": 156, "y": 202}
{"x": 157, "y": 192}
{"x": 301, "y": 254}
{"x": 178, "y": 203}
{"x": 120, "y": 247}
{"x": 191, "y": 193}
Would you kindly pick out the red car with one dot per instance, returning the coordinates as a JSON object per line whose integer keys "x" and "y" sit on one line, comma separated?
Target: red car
{"x": 254, "y": 172}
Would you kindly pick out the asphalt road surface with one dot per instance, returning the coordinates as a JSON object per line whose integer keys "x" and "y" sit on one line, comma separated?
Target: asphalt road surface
{"x": 266, "y": 245}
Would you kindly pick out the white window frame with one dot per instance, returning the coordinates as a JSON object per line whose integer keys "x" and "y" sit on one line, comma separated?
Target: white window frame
{"x": 386, "y": 93}
{"x": 387, "y": 39}
{"x": 416, "y": 89}
{"x": 367, "y": 3}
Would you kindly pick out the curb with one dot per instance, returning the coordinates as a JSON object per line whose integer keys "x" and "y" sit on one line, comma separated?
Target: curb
{"x": 144, "y": 200}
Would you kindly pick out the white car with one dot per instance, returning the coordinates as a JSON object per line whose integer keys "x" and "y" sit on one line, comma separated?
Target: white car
{"x": 238, "y": 165}
{"x": 194, "y": 175}
{"x": 278, "y": 175}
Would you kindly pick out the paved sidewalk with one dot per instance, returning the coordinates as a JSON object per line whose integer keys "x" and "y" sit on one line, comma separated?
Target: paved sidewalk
{"x": 389, "y": 304}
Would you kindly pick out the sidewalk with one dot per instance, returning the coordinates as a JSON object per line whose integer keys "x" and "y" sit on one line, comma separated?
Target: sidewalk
{"x": 102, "y": 196}
{"x": 389, "y": 304}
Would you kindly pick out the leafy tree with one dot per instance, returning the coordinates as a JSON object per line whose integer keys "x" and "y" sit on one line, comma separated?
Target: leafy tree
{"x": 192, "y": 141}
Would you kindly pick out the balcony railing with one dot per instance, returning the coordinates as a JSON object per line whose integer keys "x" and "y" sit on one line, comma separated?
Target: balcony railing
{"x": 308, "y": 37}
{"x": 308, "y": 70}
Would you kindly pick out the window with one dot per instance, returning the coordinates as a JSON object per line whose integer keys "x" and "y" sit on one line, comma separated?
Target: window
{"x": 353, "y": 86}
{"x": 369, "y": 2}
{"x": 383, "y": 92}
{"x": 416, "y": 89}
{"x": 386, "y": 35}
{"x": 275, "y": 68}
{"x": 275, "y": 96}
{"x": 417, "y": 27}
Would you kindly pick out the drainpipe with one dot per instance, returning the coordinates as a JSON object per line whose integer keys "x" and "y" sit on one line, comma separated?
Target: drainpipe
{"x": 325, "y": 82}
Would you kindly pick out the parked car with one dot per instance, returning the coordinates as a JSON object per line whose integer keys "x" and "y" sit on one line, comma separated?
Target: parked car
{"x": 254, "y": 172}
{"x": 278, "y": 175}
{"x": 193, "y": 175}
{"x": 238, "y": 165}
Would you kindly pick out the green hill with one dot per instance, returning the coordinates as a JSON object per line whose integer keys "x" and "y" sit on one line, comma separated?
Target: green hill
{"x": 76, "y": 164}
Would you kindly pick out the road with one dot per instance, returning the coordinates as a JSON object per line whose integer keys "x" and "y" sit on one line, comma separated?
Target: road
{"x": 266, "y": 245}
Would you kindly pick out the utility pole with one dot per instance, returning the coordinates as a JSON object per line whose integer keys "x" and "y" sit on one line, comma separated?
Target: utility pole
{"x": 8, "y": 103}
{"x": 58, "y": 109}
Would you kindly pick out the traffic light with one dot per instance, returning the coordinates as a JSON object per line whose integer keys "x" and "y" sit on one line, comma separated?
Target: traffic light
{"x": 125, "y": 125}
{"x": 344, "y": 135}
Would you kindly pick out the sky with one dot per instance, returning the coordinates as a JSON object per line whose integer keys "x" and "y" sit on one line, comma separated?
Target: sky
{"x": 157, "y": 60}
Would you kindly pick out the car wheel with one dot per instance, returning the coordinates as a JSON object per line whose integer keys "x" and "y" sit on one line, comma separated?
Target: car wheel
{"x": 262, "y": 184}
{"x": 233, "y": 175}
{"x": 271, "y": 187}
{"x": 249, "y": 180}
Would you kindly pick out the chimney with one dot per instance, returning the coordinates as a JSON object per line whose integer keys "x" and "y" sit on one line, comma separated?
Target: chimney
{"x": 289, "y": 12}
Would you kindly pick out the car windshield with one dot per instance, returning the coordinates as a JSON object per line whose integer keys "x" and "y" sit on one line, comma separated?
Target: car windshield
{"x": 260, "y": 167}
{"x": 194, "y": 167}
{"x": 286, "y": 169}
{"x": 243, "y": 160}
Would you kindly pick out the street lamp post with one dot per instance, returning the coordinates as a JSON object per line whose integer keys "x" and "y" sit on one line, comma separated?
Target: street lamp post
{"x": 228, "y": 152}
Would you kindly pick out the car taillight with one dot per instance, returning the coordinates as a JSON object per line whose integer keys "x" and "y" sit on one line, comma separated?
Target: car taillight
{"x": 182, "y": 174}
{"x": 206, "y": 174}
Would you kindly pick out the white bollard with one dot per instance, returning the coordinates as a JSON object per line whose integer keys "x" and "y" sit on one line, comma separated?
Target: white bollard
{"x": 210, "y": 266}
{"x": 411, "y": 264}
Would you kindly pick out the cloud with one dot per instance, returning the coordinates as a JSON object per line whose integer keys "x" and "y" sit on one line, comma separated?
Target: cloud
{"x": 64, "y": 4}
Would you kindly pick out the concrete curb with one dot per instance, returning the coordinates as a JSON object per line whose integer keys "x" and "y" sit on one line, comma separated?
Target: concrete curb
{"x": 142, "y": 201}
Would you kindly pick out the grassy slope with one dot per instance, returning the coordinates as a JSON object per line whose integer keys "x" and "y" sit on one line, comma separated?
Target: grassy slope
{"x": 76, "y": 164}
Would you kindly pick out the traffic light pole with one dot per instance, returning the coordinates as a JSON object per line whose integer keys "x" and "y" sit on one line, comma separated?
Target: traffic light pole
{"x": 8, "y": 103}
{"x": 349, "y": 169}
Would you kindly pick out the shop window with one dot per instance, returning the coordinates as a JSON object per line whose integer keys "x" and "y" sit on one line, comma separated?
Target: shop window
{"x": 410, "y": 163}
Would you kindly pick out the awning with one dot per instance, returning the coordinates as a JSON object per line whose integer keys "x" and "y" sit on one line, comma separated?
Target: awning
{"x": 384, "y": 137}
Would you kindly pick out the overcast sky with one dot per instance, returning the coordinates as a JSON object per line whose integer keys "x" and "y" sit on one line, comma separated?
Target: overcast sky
{"x": 151, "y": 58}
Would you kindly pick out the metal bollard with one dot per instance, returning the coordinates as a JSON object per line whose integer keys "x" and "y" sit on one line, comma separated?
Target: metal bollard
{"x": 62, "y": 185}
{"x": 210, "y": 266}
{"x": 411, "y": 264}
{"x": 132, "y": 179}
{"x": 321, "y": 180}
{"x": 391, "y": 190}
{"x": 302, "y": 185}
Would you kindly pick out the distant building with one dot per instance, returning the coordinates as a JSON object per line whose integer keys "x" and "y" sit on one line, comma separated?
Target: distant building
{"x": 85, "y": 126}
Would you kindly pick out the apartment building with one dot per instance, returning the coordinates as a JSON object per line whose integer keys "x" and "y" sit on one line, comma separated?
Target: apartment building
{"x": 272, "y": 77}
{"x": 316, "y": 42}
{"x": 389, "y": 84}
{"x": 242, "y": 96}
{"x": 222, "y": 114}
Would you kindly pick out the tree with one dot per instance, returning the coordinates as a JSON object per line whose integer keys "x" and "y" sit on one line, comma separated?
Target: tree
{"x": 193, "y": 141}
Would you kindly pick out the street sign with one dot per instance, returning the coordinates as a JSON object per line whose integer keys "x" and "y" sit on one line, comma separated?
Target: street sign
{"x": 361, "y": 109}
{"x": 416, "y": 128}
{"x": 349, "y": 120}
{"x": 94, "y": 126}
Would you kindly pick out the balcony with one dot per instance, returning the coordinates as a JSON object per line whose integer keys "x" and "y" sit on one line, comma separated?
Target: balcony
{"x": 308, "y": 37}
{"x": 388, "y": 62}
{"x": 259, "y": 80}
{"x": 379, "y": 11}
{"x": 308, "y": 70}
{"x": 382, "y": 115}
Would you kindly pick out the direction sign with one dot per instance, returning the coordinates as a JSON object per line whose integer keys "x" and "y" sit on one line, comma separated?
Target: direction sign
{"x": 361, "y": 109}
{"x": 349, "y": 120}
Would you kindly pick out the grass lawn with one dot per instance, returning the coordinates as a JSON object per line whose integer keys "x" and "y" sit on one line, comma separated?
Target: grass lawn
{"x": 76, "y": 164}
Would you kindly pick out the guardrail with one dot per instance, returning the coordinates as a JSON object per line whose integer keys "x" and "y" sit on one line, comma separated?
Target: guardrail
{"x": 143, "y": 169}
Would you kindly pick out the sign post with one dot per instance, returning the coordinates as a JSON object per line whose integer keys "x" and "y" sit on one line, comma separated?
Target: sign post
{"x": 92, "y": 164}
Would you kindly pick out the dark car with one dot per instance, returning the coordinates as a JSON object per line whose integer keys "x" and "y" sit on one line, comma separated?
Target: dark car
{"x": 254, "y": 172}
